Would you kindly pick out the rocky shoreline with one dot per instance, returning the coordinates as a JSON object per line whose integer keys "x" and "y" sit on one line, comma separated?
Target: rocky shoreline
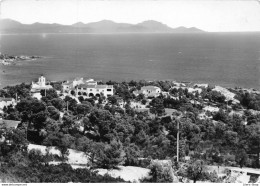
{"x": 12, "y": 60}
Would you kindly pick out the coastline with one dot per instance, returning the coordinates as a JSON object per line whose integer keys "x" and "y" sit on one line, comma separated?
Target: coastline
{"x": 8, "y": 60}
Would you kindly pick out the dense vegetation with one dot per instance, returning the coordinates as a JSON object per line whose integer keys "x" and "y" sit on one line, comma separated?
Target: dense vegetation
{"x": 112, "y": 135}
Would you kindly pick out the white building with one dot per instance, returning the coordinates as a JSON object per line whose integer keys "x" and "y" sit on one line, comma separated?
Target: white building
{"x": 4, "y": 102}
{"x": 201, "y": 85}
{"x": 149, "y": 91}
{"x": 68, "y": 86}
{"x": 89, "y": 87}
{"x": 94, "y": 90}
{"x": 91, "y": 82}
{"x": 40, "y": 85}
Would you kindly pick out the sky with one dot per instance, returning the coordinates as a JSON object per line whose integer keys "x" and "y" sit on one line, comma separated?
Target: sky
{"x": 208, "y": 15}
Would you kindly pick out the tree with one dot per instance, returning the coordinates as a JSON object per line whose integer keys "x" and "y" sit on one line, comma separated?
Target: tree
{"x": 81, "y": 99}
{"x": 132, "y": 153}
{"x": 237, "y": 124}
{"x": 123, "y": 92}
{"x": 130, "y": 111}
{"x": 112, "y": 100}
{"x": 213, "y": 177}
{"x": 73, "y": 93}
{"x": 191, "y": 132}
{"x": 165, "y": 85}
{"x": 18, "y": 159}
{"x": 194, "y": 170}
{"x": 109, "y": 155}
{"x": 68, "y": 123}
{"x": 15, "y": 140}
{"x": 90, "y": 100}
{"x": 66, "y": 142}
{"x": 51, "y": 126}
{"x": 84, "y": 108}
{"x": 143, "y": 101}
{"x": 140, "y": 97}
{"x": 245, "y": 99}
{"x": 58, "y": 103}
{"x": 230, "y": 138}
{"x": 217, "y": 96}
{"x": 57, "y": 85}
{"x": 101, "y": 98}
{"x": 142, "y": 139}
{"x": 160, "y": 173}
{"x": 241, "y": 157}
{"x": 62, "y": 142}
{"x": 33, "y": 111}
{"x": 22, "y": 91}
{"x": 132, "y": 83}
{"x": 50, "y": 94}
{"x": 47, "y": 157}
{"x": 104, "y": 121}
{"x": 11, "y": 113}
{"x": 124, "y": 128}
{"x": 53, "y": 112}
{"x": 221, "y": 116}
{"x": 72, "y": 103}
{"x": 157, "y": 107}
{"x": 83, "y": 144}
{"x": 39, "y": 119}
{"x": 36, "y": 156}
{"x": 253, "y": 136}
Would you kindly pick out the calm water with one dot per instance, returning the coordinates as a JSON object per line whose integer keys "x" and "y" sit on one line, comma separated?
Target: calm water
{"x": 223, "y": 59}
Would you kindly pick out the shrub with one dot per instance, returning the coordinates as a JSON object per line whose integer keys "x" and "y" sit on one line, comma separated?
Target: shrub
{"x": 160, "y": 173}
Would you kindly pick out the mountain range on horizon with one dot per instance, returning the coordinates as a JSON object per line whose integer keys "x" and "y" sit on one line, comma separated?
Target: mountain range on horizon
{"x": 8, "y": 26}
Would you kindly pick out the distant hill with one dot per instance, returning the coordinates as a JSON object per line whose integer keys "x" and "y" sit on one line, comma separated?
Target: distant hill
{"x": 184, "y": 29}
{"x": 8, "y": 23}
{"x": 104, "y": 26}
{"x": 155, "y": 26}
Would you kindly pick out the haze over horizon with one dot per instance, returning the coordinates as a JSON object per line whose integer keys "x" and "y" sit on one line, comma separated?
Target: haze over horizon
{"x": 210, "y": 15}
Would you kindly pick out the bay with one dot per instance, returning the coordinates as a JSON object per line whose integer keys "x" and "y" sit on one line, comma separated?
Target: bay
{"x": 227, "y": 59}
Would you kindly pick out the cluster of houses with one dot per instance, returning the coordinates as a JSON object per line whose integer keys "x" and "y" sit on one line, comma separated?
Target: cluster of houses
{"x": 80, "y": 87}
{"x": 90, "y": 87}
{"x": 77, "y": 87}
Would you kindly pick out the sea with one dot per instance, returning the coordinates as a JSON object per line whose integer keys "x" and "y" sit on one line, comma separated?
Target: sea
{"x": 225, "y": 59}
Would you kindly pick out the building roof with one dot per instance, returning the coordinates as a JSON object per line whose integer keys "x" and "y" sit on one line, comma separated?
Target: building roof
{"x": 88, "y": 80}
{"x": 43, "y": 88}
{"x": 104, "y": 86}
{"x": 149, "y": 88}
{"x": 9, "y": 123}
{"x": 67, "y": 83}
{"x": 91, "y": 81}
{"x": 37, "y": 85}
{"x": 95, "y": 86}
{"x": 37, "y": 89}
{"x": 86, "y": 86}
{"x": 6, "y": 99}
